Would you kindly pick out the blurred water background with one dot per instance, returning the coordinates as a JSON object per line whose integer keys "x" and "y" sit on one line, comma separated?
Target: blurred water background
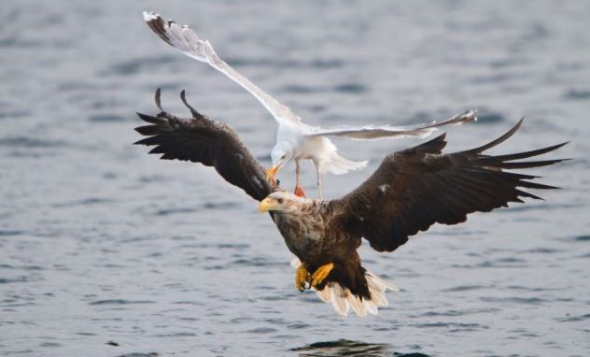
{"x": 106, "y": 251}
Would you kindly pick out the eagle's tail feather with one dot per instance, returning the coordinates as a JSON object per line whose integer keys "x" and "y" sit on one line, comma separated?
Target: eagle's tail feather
{"x": 343, "y": 300}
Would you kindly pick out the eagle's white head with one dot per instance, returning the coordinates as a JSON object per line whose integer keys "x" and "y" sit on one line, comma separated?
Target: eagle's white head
{"x": 283, "y": 202}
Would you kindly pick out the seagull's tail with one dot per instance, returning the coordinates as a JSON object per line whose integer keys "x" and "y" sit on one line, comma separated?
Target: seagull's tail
{"x": 343, "y": 300}
{"x": 338, "y": 165}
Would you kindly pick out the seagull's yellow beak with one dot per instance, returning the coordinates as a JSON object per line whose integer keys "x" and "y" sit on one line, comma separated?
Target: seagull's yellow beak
{"x": 266, "y": 205}
{"x": 272, "y": 172}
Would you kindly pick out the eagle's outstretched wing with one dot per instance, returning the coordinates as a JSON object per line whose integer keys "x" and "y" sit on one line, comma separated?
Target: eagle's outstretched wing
{"x": 415, "y": 188}
{"x": 206, "y": 141}
{"x": 369, "y": 132}
{"x": 187, "y": 41}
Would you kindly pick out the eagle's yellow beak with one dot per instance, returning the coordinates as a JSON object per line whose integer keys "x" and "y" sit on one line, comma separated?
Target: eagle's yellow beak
{"x": 265, "y": 205}
{"x": 272, "y": 172}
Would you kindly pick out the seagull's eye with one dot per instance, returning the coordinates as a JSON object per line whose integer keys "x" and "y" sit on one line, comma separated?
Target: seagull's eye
{"x": 283, "y": 157}
{"x": 280, "y": 201}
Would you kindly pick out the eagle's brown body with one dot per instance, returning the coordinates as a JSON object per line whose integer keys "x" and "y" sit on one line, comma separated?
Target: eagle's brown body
{"x": 314, "y": 234}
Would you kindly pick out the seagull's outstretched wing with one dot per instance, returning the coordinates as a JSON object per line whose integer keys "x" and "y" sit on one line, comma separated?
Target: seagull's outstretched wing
{"x": 185, "y": 40}
{"x": 381, "y": 132}
{"x": 206, "y": 141}
{"x": 415, "y": 188}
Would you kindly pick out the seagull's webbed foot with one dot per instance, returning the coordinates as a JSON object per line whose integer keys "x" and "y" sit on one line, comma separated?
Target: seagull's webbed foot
{"x": 302, "y": 278}
{"x": 321, "y": 274}
{"x": 299, "y": 191}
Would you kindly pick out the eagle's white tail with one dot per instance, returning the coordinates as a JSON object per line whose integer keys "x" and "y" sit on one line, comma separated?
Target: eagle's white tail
{"x": 343, "y": 300}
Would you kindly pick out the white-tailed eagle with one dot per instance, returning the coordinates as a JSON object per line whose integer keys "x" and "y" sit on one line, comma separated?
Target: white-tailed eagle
{"x": 409, "y": 192}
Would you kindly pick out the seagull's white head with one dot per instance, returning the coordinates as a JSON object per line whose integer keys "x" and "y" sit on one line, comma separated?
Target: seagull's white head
{"x": 282, "y": 153}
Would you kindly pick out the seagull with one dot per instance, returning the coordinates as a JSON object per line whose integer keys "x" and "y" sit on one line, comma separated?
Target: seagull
{"x": 295, "y": 140}
{"x": 409, "y": 192}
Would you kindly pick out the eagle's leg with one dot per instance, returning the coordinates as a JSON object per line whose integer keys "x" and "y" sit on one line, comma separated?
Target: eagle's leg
{"x": 298, "y": 189}
{"x": 321, "y": 274}
{"x": 301, "y": 277}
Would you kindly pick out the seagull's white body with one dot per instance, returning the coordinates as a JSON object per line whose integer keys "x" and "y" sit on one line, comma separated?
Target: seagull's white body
{"x": 318, "y": 148}
{"x": 295, "y": 140}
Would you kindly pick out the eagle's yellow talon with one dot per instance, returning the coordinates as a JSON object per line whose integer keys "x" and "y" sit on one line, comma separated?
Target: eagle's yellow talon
{"x": 321, "y": 274}
{"x": 301, "y": 277}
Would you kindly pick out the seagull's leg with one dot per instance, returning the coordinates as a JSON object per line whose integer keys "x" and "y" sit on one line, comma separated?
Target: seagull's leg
{"x": 319, "y": 180}
{"x": 298, "y": 189}
{"x": 297, "y": 172}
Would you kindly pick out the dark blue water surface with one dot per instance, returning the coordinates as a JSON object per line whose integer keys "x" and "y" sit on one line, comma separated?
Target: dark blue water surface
{"x": 106, "y": 251}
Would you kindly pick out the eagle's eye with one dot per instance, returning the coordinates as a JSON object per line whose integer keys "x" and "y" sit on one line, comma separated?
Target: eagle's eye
{"x": 280, "y": 201}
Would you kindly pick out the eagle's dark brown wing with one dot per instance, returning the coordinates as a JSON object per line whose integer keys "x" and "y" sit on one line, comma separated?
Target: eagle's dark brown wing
{"x": 418, "y": 187}
{"x": 206, "y": 141}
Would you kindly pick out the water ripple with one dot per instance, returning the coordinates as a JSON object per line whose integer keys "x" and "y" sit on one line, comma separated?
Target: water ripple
{"x": 575, "y": 318}
{"x": 121, "y": 302}
{"x": 126, "y": 68}
{"x": 343, "y": 348}
{"x": 28, "y": 142}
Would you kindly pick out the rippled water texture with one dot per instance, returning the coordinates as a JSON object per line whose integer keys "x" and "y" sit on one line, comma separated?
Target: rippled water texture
{"x": 106, "y": 251}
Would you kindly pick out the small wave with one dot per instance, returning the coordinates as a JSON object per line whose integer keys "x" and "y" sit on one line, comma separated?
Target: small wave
{"x": 24, "y": 267}
{"x": 84, "y": 202}
{"x": 7, "y": 233}
{"x": 14, "y": 114}
{"x": 452, "y": 313}
{"x": 489, "y": 117}
{"x": 27, "y": 142}
{"x": 278, "y": 63}
{"x": 138, "y": 65}
{"x": 262, "y": 330}
{"x": 170, "y": 211}
{"x": 258, "y": 262}
{"x": 577, "y": 94}
{"x": 543, "y": 251}
{"x": 216, "y": 245}
{"x": 350, "y": 88}
{"x": 577, "y": 318}
{"x": 347, "y": 348}
{"x": 51, "y": 344}
{"x": 20, "y": 279}
{"x": 299, "y": 89}
{"x": 516, "y": 300}
{"x": 121, "y": 302}
{"x": 298, "y": 326}
{"x": 524, "y": 288}
{"x": 177, "y": 334}
{"x": 582, "y": 238}
{"x": 453, "y": 326}
{"x": 14, "y": 42}
{"x": 219, "y": 205}
{"x": 462, "y": 288}
{"x": 100, "y": 118}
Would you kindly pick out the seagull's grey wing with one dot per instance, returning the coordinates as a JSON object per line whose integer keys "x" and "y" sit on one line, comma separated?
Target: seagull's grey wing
{"x": 387, "y": 131}
{"x": 185, "y": 40}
